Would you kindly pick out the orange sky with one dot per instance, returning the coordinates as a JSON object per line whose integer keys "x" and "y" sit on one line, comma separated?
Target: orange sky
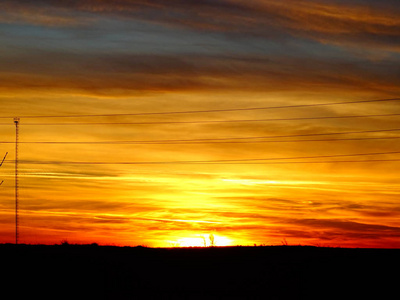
{"x": 107, "y": 58}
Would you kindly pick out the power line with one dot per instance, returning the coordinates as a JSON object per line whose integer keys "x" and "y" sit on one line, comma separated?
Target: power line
{"x": 204, "y": 163}
{"x": 2, "y": 164}
{"x": 4, "y": 158}
{"x": 208, "y": 121}
{"x": 225, "y": 161}
{"x": 262, "y": 141}
{"x": 315, "y": 162}
{"x": 210, "y": 110}
{"x": 223, "y": 140}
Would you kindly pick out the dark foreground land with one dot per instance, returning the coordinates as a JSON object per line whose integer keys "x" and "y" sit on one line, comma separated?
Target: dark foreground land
{"x": 272, "y": 272}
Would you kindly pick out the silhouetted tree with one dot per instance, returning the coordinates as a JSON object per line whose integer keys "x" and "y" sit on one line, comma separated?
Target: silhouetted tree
{"x": 204, "y": 241}
{"x": 212, "y": 241}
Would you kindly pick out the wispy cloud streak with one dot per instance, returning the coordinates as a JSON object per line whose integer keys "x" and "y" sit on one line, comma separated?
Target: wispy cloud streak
{"x": 373, "y": 23}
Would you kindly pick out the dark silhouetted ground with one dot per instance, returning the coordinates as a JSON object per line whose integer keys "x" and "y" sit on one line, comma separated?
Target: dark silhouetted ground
{"x": 272, "y": 272}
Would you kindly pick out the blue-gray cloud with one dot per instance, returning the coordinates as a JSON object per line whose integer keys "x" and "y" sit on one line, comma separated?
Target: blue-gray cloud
{"x": 356, "y": 23}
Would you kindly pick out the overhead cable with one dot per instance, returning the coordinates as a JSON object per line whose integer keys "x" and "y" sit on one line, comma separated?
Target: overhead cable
{"x": 207, "y": 111}
{"x": 226, "y": 161}
{"x": 221, "y": 140}
{"x": 206, "y": 121}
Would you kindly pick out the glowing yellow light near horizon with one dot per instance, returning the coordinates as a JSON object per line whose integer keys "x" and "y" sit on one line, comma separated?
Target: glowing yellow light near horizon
{"x": 250, "y": 181}
{"x": 203, "y": 241}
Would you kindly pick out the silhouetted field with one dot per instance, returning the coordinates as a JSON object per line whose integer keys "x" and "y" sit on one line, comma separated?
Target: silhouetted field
{"x": 271, "y": 272}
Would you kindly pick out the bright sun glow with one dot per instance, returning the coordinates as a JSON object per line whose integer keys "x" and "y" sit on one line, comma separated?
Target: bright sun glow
{"x": 203, "y": 241}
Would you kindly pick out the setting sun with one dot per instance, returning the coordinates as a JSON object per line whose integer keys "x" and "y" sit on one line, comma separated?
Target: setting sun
{"x": 202, "y": 240}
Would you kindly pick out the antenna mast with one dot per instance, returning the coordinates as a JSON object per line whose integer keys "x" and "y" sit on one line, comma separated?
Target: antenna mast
{"x": 16, "y": 121}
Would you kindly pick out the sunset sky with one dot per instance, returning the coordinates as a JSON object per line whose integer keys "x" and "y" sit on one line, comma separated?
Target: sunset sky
{"x": 161, "y": 123}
